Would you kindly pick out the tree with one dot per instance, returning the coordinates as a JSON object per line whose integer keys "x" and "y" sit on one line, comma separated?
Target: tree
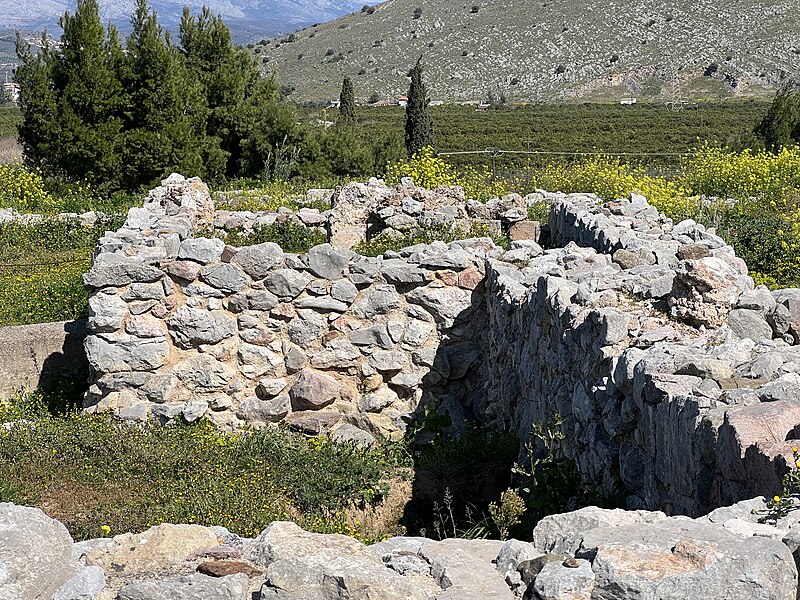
{"x": 38, "y": 132}
{"x": 228, "y": 76}
{"x": 419, "y": 126}
{"x": 167, "y": 112}
{"x": 347, "y": 104}
{"x": 72, "y": 100}
{"x": 781, "y": 125}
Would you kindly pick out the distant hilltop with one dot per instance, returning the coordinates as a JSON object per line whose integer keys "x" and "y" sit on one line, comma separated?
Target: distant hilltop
{"x": 545, "y": 51}
{"x": 246, "y": 18}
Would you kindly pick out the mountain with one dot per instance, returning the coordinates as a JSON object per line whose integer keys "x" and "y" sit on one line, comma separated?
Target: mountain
{"x": 547, "y": 50}
{"x": 247, "y": 18}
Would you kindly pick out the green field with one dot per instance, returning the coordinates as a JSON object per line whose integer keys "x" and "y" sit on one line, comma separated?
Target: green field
{"x": 640, "y": 129}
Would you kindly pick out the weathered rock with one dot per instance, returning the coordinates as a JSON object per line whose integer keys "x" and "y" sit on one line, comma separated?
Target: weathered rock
{"x": 313, "y": 390}
{"x": 201, "y": 250}
{"x": 192, "y": 326}
{"x": 562, "y": 533}
{"x": 287, "y": 283}
{"x": 681, "y": 558}
{"x": 301, "y": 565}
{"x": 324, "y": 261}
{"x": 226, "y": 277}
{"x": 259, "y": 260}
{"x": 36, "y": 557}
{"x": 749, "y": 324}
{"x": 188, "y": 587}
{"x": 557, "y": 581}
{"x": 119, "y": 274}
{"x": 88, "y": 584}
{"x": 265, "y": 411}
{"x": 154, "y": 549}
{"x": 224, "y": 568}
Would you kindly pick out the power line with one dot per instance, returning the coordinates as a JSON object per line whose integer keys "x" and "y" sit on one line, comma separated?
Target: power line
{"x": 496, "y": 151}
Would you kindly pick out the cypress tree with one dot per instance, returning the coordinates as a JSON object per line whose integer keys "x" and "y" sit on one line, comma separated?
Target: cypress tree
{"x": 781, "y": 125}
{"x": 347, "y": 104}
{"x": 419, "y": 126}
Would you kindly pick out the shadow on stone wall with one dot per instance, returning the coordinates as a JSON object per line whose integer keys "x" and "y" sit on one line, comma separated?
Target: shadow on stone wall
{"x": 458, "y": 469}
{"x": 63, "y": 379}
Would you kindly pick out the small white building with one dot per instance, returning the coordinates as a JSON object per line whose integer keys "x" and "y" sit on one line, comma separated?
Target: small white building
{"x": 11, "y": 92}
{"x": 627, "y": 101}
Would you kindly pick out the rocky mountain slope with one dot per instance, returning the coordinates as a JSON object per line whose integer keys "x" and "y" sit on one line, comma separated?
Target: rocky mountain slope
{"x": 547, "y": 51}
{"x": 245, "y": 17}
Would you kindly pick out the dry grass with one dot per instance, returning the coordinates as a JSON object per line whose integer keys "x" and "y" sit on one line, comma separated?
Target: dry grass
{"x": 10, "y": 151}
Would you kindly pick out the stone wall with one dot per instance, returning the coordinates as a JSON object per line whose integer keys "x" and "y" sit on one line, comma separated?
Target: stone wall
{"x": 30, "y": 354}
{"x": 676, "y": 379}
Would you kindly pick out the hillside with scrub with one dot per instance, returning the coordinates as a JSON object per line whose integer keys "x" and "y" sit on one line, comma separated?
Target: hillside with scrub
{"x": 545, "y": 51}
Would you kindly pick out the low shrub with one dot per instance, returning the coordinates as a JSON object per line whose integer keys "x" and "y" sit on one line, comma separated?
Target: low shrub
{"x": 290, "y": 237}
{"x": 425, "y": 235}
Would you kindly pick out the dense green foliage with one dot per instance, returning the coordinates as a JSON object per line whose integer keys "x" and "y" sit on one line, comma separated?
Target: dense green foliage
{"x": 418, "y": 123}
{"x": 120, "y": 118}
{"x": 10, "y": 118}
{"x": 290, "y": 237}
{"x": 95, "y": 471}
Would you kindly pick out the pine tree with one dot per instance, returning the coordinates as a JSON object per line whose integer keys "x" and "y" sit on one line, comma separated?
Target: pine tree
{"x": 90, "y": 99}
{"x": 781, "y": 125}
{"x": 167, "y": 112}
{"x": 229, "y": 75}
{"x": 347, "y": 104}
{"x": 71, "y": 102}
{"x": 419, "y": 126}
{"x": 38, "y": 132}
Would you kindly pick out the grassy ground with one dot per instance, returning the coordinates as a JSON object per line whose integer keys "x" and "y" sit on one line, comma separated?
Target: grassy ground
{"x": 41, "y": 268}
{"x": 95, "y": 471}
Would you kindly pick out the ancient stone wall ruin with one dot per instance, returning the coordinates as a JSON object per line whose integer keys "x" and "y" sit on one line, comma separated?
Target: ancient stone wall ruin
{"x": 677, "y": 381}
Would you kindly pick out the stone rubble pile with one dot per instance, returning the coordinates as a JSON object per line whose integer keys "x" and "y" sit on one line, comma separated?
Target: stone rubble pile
{"x": 677, "y": 380}
{"x": 589, "y": 554}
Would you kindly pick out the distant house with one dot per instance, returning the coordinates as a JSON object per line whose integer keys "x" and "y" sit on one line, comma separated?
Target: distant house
{"x": 382, "y": 102}
{"x": 401, "y": 100}
{"x": 483, "y": 106}
{"x": 11, "y": 92}
{"x": 334, "y": 103}
{"x": 627, "y": 101}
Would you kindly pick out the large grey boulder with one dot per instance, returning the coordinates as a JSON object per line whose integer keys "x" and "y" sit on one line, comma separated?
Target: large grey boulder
{"x": 678, "y": 558}
{"x": 201, "y": 250}
{"x": 188, "y": 587}
{"x": 305, "y": 566}
{"x": 561, "y": 533}
{"x": 326, "y": 262}
{"x": 35, "y": 554}
{"x": 259, "y": 260}
{"x": 86, "y": 585}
